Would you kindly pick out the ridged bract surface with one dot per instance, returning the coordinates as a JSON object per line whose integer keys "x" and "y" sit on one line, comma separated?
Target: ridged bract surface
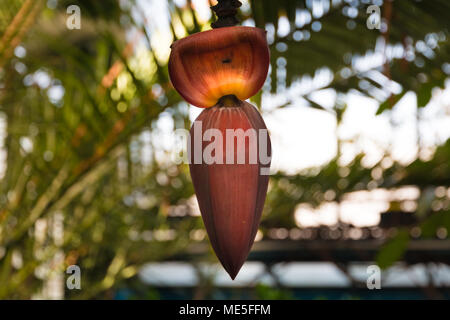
{"x": 231, "y": 196}
{"x": 209, "y": 65}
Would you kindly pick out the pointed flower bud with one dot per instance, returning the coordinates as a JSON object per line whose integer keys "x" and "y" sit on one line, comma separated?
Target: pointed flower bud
{"x": 230, "y": 154}
{"x": 231, "y": 177}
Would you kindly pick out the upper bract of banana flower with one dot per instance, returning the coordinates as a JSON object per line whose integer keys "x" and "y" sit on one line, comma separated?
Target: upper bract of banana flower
{"x": 212, "y": 64}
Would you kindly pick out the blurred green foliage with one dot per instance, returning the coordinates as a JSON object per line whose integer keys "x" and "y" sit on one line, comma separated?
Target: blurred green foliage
{"x": 265, "y": 292}
{"x": 78, "y": 106}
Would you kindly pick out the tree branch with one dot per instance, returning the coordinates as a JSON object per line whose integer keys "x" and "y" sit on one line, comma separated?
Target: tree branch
{"x": 226, "y": 11}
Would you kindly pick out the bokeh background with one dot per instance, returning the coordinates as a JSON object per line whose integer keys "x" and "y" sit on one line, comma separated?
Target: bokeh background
{"x": 360, "y": 126}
